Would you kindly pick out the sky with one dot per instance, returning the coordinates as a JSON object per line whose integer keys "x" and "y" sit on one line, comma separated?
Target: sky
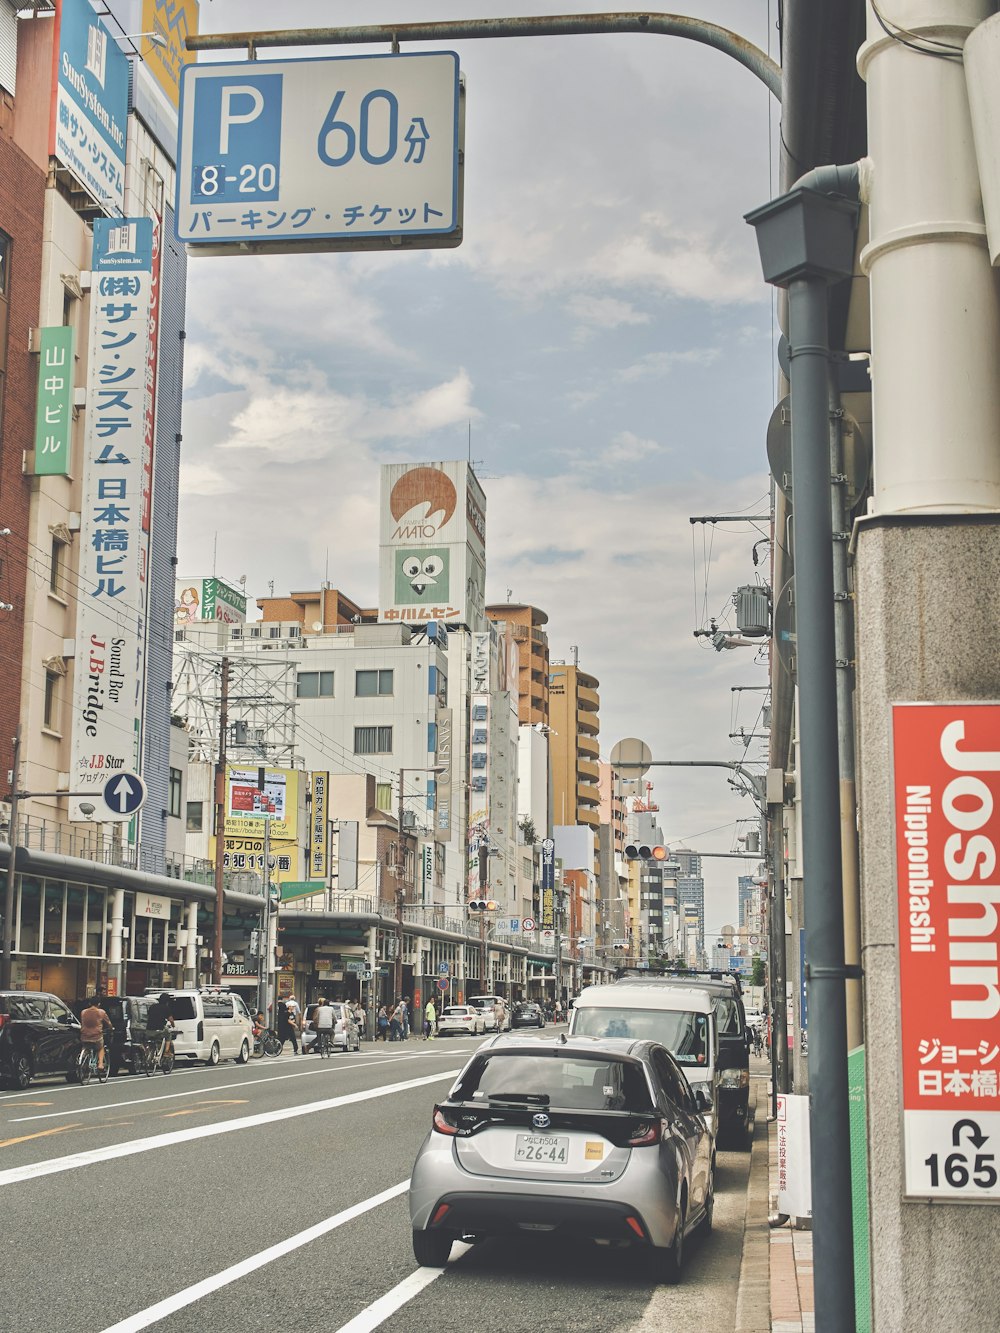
{"x": 601, "y": 345}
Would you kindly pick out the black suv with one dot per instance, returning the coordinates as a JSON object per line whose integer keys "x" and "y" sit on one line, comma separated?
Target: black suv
{"x": 128, "y": 1023}
{"x": 527, "y": 1015}
{"x": 38, "y": 1035}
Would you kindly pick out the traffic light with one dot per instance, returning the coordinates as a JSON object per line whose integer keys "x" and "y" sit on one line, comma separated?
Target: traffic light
{"x": 636, "y": 852}
{"x": 482, "y": 905}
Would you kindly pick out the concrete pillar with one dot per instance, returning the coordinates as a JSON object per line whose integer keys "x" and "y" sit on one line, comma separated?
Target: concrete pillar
{"x": 928, "y": 605}
{"x": 116, "y": 967}
{"x": 191, "y": 946}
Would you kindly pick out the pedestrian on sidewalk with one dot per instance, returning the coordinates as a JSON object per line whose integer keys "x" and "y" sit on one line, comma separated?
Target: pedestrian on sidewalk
{"x": 430, "y": 1021}
{"x": 406, "y": 1017}
{"x": 287, "y": 1028}
{"x": 383, "y": 1024}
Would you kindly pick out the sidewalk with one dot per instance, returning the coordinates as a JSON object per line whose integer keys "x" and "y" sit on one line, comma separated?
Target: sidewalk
{"x": 791, "y": 1260}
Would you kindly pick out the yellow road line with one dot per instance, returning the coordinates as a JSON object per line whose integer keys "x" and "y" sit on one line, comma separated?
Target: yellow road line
{"x": 204, "y": 1106}
{"x": 42, "y": 1133}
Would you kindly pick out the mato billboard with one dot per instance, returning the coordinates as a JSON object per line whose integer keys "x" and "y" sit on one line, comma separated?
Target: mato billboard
{"x": 432, "y": 544}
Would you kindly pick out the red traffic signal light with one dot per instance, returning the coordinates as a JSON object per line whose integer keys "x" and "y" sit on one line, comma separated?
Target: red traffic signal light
{"x": 637, "y": 852}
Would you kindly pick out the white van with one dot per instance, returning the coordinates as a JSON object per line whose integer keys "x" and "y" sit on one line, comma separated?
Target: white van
{"x": 680, "y": 1018}
{"x": 211, "y": 1025}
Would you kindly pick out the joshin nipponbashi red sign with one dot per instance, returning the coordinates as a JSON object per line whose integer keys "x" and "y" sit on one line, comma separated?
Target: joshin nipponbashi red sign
{"x": 946, "y": 766}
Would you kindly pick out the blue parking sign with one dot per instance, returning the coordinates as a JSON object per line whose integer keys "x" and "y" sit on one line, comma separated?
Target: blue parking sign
{"x": 236, "y": 147}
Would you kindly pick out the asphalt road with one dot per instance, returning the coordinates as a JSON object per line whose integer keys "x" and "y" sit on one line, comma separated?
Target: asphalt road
{"x": 275, "y": 1193}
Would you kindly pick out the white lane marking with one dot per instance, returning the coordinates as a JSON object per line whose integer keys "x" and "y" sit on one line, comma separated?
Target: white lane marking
{"x": 379, "y": 1311}
{"x": 55, "y": 1165}
{"x": 170, "y": 1304}
{"x": 219, "y": 1087}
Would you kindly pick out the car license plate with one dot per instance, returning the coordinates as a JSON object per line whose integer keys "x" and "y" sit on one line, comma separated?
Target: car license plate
{"x": 540, "y": 1148}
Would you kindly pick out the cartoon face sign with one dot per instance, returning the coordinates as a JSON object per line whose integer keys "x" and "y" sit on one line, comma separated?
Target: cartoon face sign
{"x": 422, "y": 575}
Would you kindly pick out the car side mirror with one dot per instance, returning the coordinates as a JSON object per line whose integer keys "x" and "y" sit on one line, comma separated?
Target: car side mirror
{"x": 703, "y": 1099}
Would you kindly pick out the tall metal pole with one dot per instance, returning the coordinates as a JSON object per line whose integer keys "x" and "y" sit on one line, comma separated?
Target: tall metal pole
{"x": 220, "y": 822}
{"x": 399, "y": 869}
{"x": 8, "y": 897}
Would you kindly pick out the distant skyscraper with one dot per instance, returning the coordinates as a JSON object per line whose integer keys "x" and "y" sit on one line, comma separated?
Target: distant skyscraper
{"x": 690, "y": 885}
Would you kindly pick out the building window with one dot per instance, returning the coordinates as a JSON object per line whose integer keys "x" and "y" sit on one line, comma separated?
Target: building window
{"x": 315, "y": 685}
{"x": 383, "y": 796}
{"x": 4, "y": 261}
{"x": 274, "y": 632}
{"x": 50, "y": 717}
{"x": 174, "y": 793}
{"x": 195, "y": 816}
{"x": 373, "y": 740}
{"x": 55, "y": 568}
{"x": 367, "y": 684}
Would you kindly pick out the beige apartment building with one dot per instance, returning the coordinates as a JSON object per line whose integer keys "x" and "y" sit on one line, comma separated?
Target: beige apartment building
{"x": 524, "y": 628}
{"x": 573, "y": 745}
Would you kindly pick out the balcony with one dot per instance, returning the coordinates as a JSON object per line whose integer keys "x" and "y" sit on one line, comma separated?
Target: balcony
{"x": 587, "y": 723}
{"x": 587, "y": 770}
{"x": 588, "y": 698}
{"x": 587, "y": 815}
{"x": 589, "y": 746}
{"x": 587, "y": 794}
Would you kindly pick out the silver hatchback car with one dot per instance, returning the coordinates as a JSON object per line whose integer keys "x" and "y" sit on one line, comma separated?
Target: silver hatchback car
{"x": 597, "y": 1138}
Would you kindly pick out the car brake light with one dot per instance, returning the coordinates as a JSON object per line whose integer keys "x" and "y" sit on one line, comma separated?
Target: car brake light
{"x": 3, "y": 1019}
{"x": 645, "y": 1135}
{"x": 441, "y": 1124}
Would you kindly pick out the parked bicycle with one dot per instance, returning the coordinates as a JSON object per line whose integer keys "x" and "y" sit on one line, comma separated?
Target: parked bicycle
{"x": 86, "y": 1065}
{"x": 266, "y": 1042}
{"x": 156, "y": 1052}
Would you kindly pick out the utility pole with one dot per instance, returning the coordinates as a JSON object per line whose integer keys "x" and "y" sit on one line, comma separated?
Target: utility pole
{"x": 8, "y": 898}
{"x": 220, "y": 822}
{"x": 399, "y": 871}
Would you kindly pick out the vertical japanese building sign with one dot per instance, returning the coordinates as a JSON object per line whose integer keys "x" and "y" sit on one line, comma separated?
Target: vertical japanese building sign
{"x": 54, "y": 410}
{"x": 442, "y": 787}
{"x": 548, "y": 883}
{"x": 88, "y": 130}
{"x": 319, "y": 842}
{"x": 114, "y": 526}
{"x": 947, "y": 815}
{"x": 479, "y": 757}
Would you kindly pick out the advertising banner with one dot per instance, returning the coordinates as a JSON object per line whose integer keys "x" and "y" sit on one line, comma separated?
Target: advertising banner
{"x": 319, "y": 827}
{"x": 946, "y": 777}
{"x": 442, "y": 785}
{"x": 88, "y": 132}
{"x": 54, "y": 404}
{"x": 548, "y": 882}
{"x": 111, "y": 612}
{"x": 173, "y": 20}
{"x": 208, "y": 599}
{"x": 246, "y": 855}
{"x": 794, "y": 1168}
{"x": 432, "y": 544}
{"x": 479, "y": 782}
{"x": 248, "y": 804}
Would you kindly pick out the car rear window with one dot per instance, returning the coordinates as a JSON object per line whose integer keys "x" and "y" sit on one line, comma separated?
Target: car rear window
{"x": 727, "y": 1013}
{"x": 569, "y": 1081}
{"x": 183, "y": 1006}
{"x": 457, "y": 1011}
{"x": 685, "y": 1034}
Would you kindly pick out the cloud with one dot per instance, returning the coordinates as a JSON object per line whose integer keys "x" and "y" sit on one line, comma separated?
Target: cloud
{"x": 602, "y": 313}
{"x": 657, "y": 364}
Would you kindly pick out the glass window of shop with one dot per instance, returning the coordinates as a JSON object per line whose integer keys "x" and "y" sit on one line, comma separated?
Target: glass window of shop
{"x": 95, "y": 936}
{"x": 76, "y": 902}
{"x": 29, "y": 911}
{"x": 53, "y": 916}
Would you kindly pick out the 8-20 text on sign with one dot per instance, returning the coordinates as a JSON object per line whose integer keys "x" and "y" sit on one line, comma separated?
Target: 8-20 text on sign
{"x": 350, "y": 150}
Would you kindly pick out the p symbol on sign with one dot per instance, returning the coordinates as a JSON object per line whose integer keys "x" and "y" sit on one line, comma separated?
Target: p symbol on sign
{"x": 230, "y": 115}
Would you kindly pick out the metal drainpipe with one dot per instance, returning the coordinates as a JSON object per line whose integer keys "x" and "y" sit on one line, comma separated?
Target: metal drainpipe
{"x": 776, "y": 958}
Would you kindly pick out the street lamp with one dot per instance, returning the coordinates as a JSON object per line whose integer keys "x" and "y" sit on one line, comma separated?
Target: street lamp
{"x": 400, "y": 867}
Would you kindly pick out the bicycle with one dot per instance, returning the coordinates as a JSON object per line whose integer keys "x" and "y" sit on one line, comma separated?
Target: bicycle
{"x": 324, "y": 1042}
{"x": 153, "y": 1054}
{"x": 86, "y": 1065}
{"x": 266, "y": 1042}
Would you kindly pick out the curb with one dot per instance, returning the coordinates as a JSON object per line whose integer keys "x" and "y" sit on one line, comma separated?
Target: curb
{"x": 753, "y": 1300}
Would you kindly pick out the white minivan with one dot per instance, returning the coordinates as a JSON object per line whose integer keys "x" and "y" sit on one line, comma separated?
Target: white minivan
{"x": 680, "y": 1018}
{"x": 211, "y": 1025}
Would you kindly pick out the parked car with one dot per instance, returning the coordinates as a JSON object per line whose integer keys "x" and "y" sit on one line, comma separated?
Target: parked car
{"x": 596, "y": 1139}
{"x": 128, "y": 1021}
{"x": 527, "y": 1016}
{"x": 462, "y": 1019}
{"x": 489, "y": 1004}
{"x": 346, "y": 1033}
{"x": 210, "y": 1025}
{"x": 39, "y": 1034}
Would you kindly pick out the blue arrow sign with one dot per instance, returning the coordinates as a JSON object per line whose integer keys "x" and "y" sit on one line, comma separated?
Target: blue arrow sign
{"x": 124, "y": 793}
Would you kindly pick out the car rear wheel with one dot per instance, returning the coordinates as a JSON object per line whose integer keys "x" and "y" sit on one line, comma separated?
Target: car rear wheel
{"x": 707, "y": 1220}
{"x": 214, "y": 1054}
{"x": 20, "y": 1072}
{"x": 431, "y": 1248}
{"x": 244, "y": 1054}
{"x": 667, "y": 1265}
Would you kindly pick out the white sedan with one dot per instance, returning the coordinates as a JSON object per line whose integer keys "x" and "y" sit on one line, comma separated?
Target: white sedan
{"x": 461, "y": 1019}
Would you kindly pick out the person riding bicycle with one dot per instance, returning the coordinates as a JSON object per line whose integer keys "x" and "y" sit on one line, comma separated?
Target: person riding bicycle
{"x": 323, "y": 1020}
{"x": 93, "y": 1022}
{"x": 159, "y": 1018}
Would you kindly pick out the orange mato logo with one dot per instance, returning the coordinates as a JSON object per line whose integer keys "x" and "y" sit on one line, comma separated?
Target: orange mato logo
{"x": 426, "y": 498}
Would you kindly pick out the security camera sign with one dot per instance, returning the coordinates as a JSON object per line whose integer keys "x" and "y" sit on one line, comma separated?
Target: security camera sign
{"x": 337, "y": 153}
{"x": 947, "y": 813}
